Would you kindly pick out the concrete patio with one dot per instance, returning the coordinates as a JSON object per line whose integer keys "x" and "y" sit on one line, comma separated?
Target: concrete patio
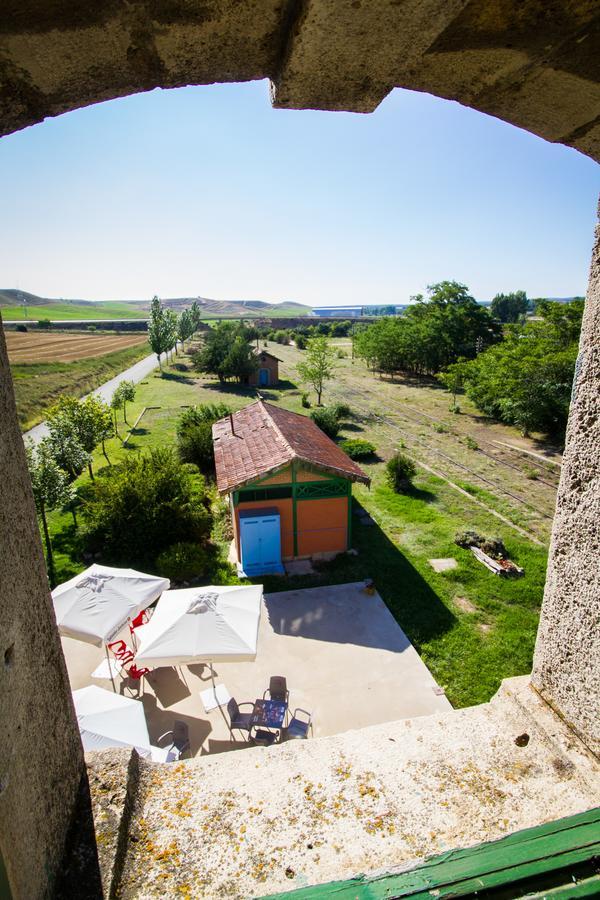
{"x": 344, "y": 657}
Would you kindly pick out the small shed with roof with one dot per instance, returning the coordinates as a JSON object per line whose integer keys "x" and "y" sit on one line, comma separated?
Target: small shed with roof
{"x": 290, "y": 486}
{"x": 267, "y": 372}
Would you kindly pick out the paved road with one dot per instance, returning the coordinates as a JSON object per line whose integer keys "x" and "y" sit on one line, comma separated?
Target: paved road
{"x": 135, "y": 373}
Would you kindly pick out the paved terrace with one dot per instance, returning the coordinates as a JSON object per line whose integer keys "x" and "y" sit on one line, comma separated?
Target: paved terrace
{"x": 345, "y": 658}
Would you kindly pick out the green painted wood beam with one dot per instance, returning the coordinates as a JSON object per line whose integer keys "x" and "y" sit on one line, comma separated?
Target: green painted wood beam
{"x": 552, "y": 853}
{"x": 294, "y": 510}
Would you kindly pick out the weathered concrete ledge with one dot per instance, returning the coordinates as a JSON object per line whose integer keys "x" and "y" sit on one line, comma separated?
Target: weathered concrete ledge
{"x": 261, "y": 821}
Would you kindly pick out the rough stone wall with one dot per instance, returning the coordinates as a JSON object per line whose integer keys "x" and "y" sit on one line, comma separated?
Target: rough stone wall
{"x": 567, "y": 656}
{"x": 535, "y": 64}
{"x": 41, "y": 758}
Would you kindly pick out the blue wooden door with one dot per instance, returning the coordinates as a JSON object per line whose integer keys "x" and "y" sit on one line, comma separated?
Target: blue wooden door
{"x": 260, "y": 538}
{"x": 263, "y": 377}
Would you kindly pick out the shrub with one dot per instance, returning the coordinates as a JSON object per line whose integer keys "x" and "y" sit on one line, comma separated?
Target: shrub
{"x": 143, "y": 506}
{"x": 21, "y": 328}
{"x": 194, "y": 434}
{"x": 342, "y": 411}
{"x": 195, "y": 446}
{"x": 341, "y": 353}
{"x": 471, "y": 443}
{"x": 300, "y": 341}
{"x": 305, "y": 401}
{"x": 356, "y": 448}
{"x": 183, "y": 561}
{"x": 91, "y": 328}
{"x": 400, "y": 470}
{"x": 44, "y": 323}
{"x": 327, "y": 421}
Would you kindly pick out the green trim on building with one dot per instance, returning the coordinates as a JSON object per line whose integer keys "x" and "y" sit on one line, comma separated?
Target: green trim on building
{"x": 555, "y": 860}
{"x": 322, "y": 490}
{"x": 349, "y": 535}
{"x": 294, "y": 509}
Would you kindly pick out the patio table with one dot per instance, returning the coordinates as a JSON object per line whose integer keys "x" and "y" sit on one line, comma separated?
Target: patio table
{"x": 268, "y": 713}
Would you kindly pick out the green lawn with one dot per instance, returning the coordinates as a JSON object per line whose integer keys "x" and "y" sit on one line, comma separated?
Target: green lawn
{"x": 472, "y": 628}
{"x": 38, "y": 385}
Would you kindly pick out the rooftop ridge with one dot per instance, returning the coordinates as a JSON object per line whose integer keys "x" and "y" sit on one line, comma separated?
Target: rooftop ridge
{"x": 276, "y": 428}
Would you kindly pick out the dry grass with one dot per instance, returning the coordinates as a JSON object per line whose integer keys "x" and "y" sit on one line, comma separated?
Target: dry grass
{"x": 36, "y": 347}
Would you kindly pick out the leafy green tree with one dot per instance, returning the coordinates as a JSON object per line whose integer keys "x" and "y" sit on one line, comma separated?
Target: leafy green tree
{"x": 433, "y": 333}
{"x": 241, "y": 361}
{"x": 51, "y": 489}
{"x": 125, "y": 393}
{"x": 65, "y": 445}
{"x": 90, "y": 420}
{"x": 227, "y": 353}
{"x": 527, "y": 379}
{"x": 144, "y": 505}
{"x": 159, "y": 330}
{"x": 453, "y": 378}
{"x": 318, "y": 364}
{"x": 510, "y": 307}
{"x": 185, "y": 327}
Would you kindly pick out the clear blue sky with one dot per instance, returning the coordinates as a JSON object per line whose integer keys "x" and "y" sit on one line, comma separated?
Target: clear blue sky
{"x": 209, "y": 191}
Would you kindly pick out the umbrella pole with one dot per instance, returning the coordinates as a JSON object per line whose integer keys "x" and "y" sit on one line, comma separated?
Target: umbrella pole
{"x": 112, "y": 677}
{"x": 212, "y": 678}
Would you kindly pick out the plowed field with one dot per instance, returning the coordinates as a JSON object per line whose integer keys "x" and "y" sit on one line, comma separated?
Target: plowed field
{"x": 39, "y": 348}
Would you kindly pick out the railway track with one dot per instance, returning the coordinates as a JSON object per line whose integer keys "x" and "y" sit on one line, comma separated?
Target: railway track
{"x": 423, "y": 445}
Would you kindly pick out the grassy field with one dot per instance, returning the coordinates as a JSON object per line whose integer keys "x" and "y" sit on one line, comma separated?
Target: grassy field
{"x": 471, "y": 628}
{"x": 106, "y": 310}
{"x": 38, "y": 385}
{"x": 43, "y": 347}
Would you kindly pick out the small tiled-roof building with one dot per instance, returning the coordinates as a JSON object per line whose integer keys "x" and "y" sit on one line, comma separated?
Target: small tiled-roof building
{"x": 290, "y": 486}
{"x": 267, "y": 373}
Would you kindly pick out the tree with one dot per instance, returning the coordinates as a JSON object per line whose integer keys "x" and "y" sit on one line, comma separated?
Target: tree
{"x": 171, "y": 331}
{"x": 185, "y": 327}
{"x": 50, "y": 487}
{"x": 318, "y": 364}
{"x": 89, "y": 420}
{"x": 125, "y": 393}
{"x": 527, "y": 379}
{"x": 510, "y": 307}
{"x": 65, "y": 445}
{"x": 144, "y": 505}
{"x": 159, "y": 330}
{"x": 433, "y": 333}
{"x": 196, "y": 316}
{"x": 453, "y": 378}
{"x": 227, "y": 353}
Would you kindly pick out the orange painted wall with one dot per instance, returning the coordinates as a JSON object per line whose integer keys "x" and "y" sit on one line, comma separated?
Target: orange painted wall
{"x": 322, "y": 525}
{"x": 284, "y": 507}
{"x": 283, "y": 477}
{"x": 305, "y": 475}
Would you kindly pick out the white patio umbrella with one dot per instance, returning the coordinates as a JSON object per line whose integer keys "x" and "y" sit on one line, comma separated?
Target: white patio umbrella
{"x": 94, "y": 605}
{"x": 206, "y": 625}
{"x": 109, "y": 720}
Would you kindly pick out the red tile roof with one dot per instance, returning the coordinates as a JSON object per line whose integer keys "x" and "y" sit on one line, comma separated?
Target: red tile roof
{"x": 265, "y": 438}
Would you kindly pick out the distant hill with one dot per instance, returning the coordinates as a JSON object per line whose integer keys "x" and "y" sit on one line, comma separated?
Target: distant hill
{"x": 22, "y": 305}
